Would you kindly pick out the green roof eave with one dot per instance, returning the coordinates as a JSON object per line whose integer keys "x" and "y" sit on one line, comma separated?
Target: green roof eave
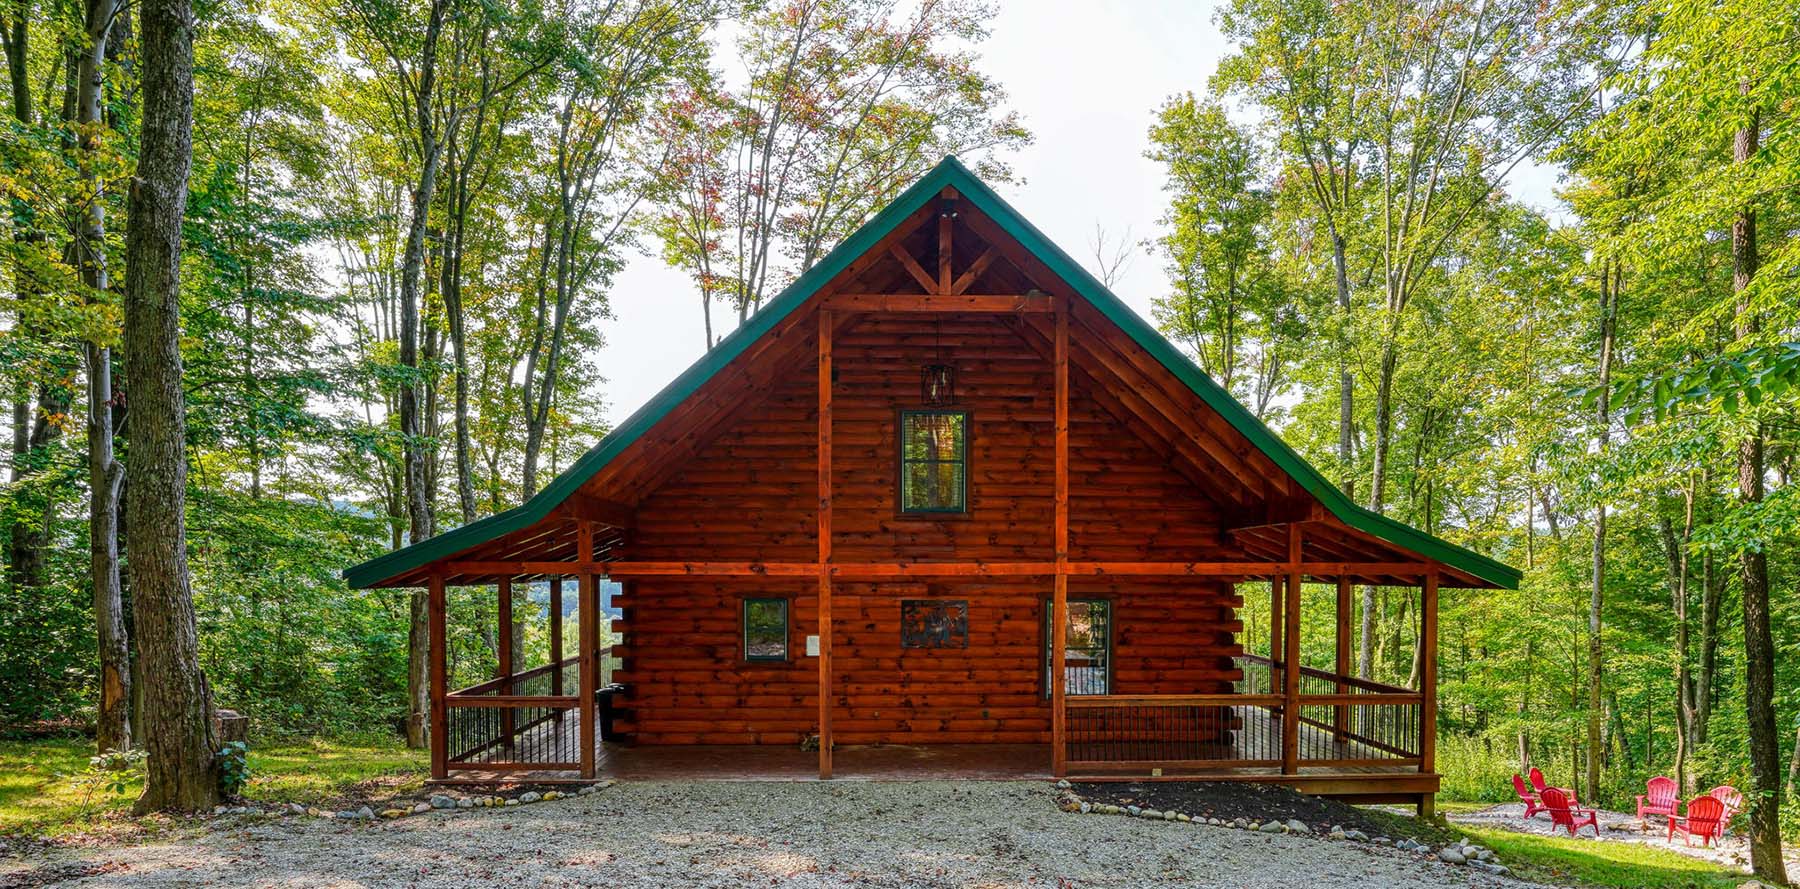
{"x": 949, "y": 173}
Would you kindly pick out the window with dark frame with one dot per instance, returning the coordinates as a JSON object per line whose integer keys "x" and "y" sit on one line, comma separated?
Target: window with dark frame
{"x": 1088, "y": 641}
{"x": 765, "y": 629}
{"x": 934, "y": 462}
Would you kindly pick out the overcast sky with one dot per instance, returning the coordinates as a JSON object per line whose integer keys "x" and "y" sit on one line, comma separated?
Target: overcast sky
{"x": 1087, "y": 78}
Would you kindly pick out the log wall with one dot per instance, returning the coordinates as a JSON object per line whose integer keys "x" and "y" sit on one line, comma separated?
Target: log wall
{"x": 751, "y": 495}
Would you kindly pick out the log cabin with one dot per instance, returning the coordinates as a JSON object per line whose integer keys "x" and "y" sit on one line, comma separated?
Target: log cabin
{"x": 852, "y": 527}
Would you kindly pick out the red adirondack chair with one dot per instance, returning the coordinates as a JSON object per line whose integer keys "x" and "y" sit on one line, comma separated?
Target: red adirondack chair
{"x": 1537, "y": 783}
{"x": 1734, "y": 804}
{"x": 1564, "y": 814}
{"x": 1532, "y": 806}
{"x": 1658, "y": 798}
{"x": 1705, "y": 817}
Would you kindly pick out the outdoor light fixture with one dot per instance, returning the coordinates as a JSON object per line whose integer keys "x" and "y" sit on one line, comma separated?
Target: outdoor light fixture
{"x": 937, "y": 384}
{"x": 937, "y": 380}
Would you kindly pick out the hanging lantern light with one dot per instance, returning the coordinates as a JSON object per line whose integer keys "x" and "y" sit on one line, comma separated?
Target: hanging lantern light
{"x": 937, "y": 384}
{"x": 937, "y": 380}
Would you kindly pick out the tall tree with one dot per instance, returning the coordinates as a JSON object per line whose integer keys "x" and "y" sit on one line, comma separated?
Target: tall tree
{"x": 112, "y": 729}
{"x": 844, "y": 103}
{"x": 633, "y": 52}
{"x": 1609, "y": 318}
{"x": 1229, "y": 300}
{"x": 177, "y": 719}
{"x": 1753, "y": 561}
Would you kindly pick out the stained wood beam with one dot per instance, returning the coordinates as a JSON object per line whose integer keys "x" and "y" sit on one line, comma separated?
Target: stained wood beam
{"x": 967, "y": 279}
{"x": 439, "y": 670}
{"x": 1290, "y": 712}
{"x": 1059, "y": 612}
{"x": 1326, "y": 570}
{"x": 986, "y": 303}
{"x": 913, "y": 268}
{"x": 946, "y": 244}
{"x": 587, "y": 607}
{"x": 824, "y": 567}
{"x": 1428, "y": 685}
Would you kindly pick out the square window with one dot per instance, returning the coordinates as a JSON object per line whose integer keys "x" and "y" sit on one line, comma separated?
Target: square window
{"x": 934, "y": 461}
{"x": 765, "y": 629}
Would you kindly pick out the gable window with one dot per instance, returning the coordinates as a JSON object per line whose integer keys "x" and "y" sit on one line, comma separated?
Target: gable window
{"x": 765, "y": 629}
{"x": 1088, "y": 641}
{"x": 934, "y": 461}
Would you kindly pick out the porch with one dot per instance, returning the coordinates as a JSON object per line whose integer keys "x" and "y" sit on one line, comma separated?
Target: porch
{"x": 1347, "y": 736}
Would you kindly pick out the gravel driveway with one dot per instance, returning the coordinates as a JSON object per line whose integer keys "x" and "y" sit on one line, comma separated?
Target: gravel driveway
{"x": 799, "y": 834}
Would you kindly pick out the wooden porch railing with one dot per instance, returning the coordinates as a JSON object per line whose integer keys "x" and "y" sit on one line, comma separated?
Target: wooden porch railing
{"x": 532, "y": 725}
{"x": 1344, "y": 722}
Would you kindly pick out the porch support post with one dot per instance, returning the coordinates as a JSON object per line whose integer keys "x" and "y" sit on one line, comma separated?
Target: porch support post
{"x": 440, "y": 716}
{"x": 587, "y": 609}
{"x": 556, "y": 655}
{"x": 1277, "y": 649}
{"x": 825, "y": 741}
{"x": 1341, "y": 722}
{"x": 507, "y": 661}
{"x": 1428, "y": 638}
{"x": 1059, "y": 608}
{"x": 1290, "y": 657}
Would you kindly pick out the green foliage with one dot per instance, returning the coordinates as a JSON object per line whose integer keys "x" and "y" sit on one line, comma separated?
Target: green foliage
{"x": 234, "y": 768}
{"x": 110, "y": 775}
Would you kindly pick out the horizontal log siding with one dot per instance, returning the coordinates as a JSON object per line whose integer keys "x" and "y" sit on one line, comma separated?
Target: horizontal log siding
{"x": 750, "y": 495}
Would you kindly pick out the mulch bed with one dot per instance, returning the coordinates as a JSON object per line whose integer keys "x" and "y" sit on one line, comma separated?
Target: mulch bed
{"x": 1227, "y": 800}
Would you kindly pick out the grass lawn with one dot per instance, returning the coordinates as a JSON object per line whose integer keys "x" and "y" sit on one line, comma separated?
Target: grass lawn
{"x": 40, "y": 794}
{"x": 1563, "y": 861}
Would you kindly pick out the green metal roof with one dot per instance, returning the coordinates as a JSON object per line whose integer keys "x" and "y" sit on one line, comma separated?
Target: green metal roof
{"x": 952, "y": 174}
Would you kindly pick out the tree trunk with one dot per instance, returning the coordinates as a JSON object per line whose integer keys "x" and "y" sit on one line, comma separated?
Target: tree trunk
{"x": 1710, "y": 594}
{"x": 1609, "y": 299}
{"x": 1675, "y": 551}
{"x": 418, "y": 497}
{"x": 1753, "y": 575}
{"x": 178, "y": 734}
{"x": 112, "y": 722}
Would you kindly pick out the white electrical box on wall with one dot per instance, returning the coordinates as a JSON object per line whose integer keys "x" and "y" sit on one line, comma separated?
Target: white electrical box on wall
{"x": 812, "y": 646}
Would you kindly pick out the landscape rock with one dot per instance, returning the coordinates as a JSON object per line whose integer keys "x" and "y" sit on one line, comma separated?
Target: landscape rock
{"x": 440, "y": 801}
{"x": 512, "y": 802}
{"x": 465, "y": 803}
{"x": 1295, "y": 825}
{"x": 1452, "y": 855}
{"x": 530, "y": 796}
{"x": 393, "y": 813}
{"x": 1272, "y": 827}
{"x": 421, "y": 808}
